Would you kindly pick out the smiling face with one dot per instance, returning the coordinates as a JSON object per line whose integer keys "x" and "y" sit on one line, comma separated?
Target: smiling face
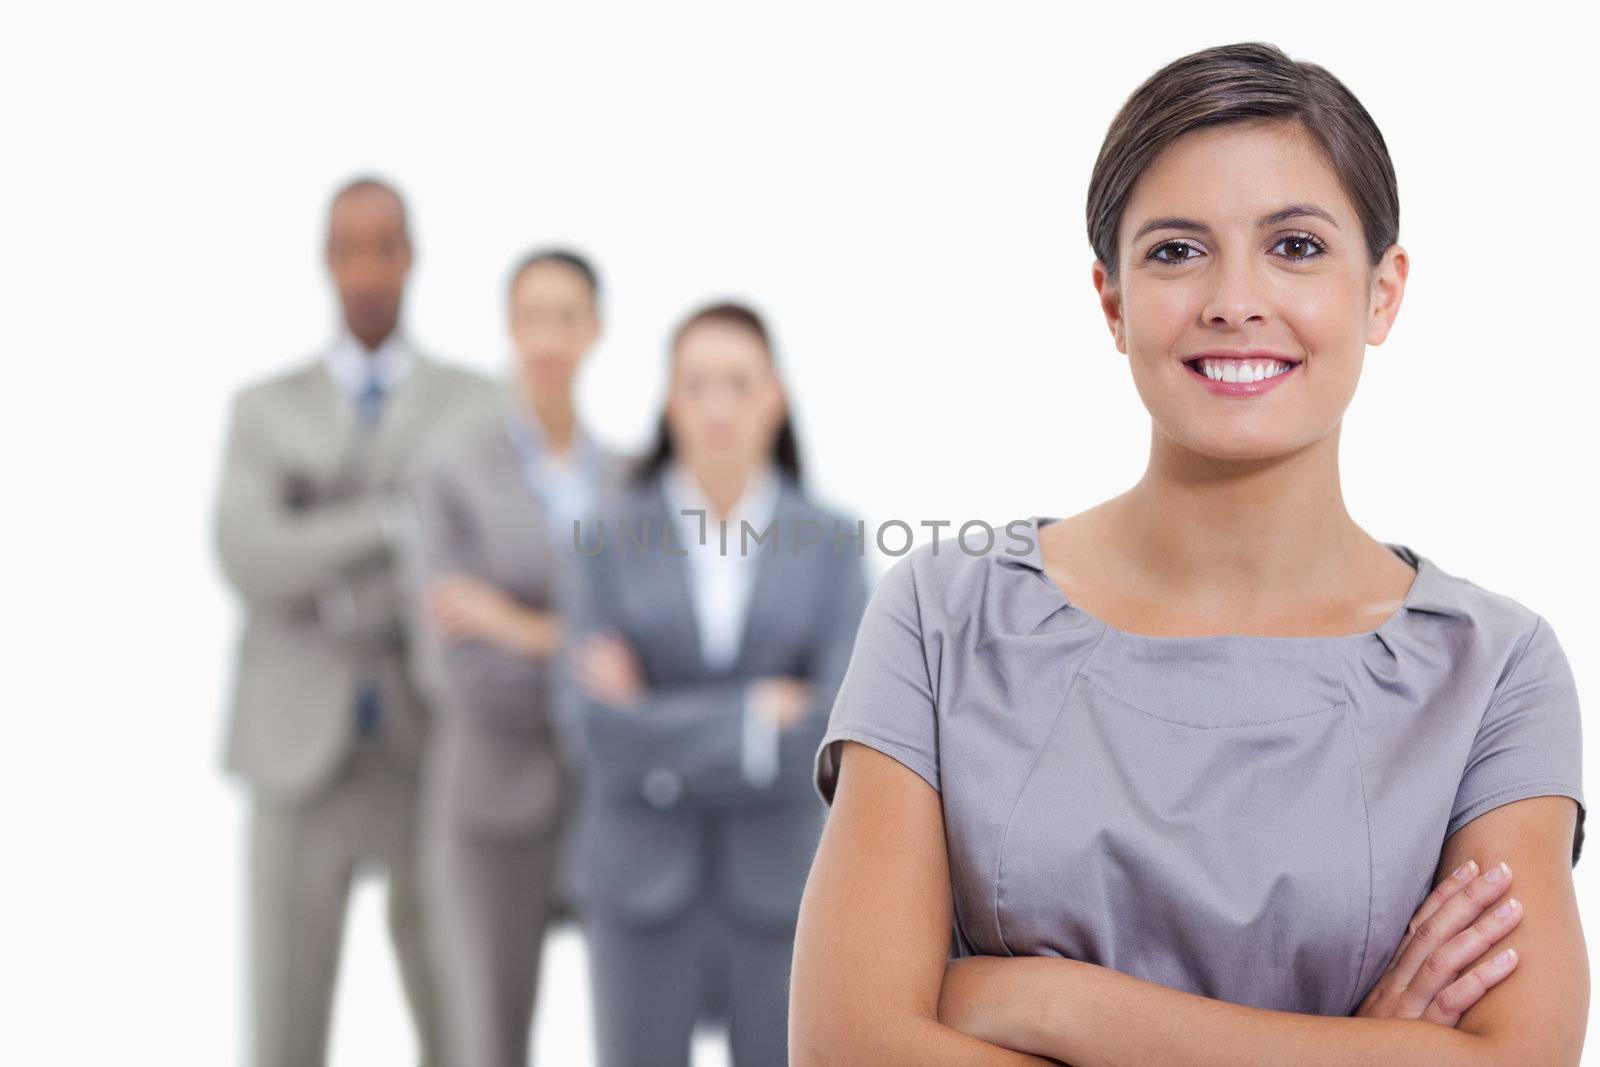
{"x": 1241, "y": 239}
{"x": 554, "y": 322}
{"x": 725, "y": 404}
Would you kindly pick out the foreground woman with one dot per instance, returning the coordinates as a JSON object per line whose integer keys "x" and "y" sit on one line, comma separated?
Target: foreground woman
{"x": 1179, "y": 771}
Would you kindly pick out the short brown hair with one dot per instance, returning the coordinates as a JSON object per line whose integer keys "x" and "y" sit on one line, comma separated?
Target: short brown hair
{"x": 1246, "y": 82}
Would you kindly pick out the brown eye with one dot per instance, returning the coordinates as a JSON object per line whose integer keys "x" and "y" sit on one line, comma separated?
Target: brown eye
{"x": 1155, "y": 253}
{"x": 1301, "y": 246}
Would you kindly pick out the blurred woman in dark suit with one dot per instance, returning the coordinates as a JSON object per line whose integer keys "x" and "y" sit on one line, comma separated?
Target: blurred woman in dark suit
{"x": 495, "y": 519}
{"x": 702, "y": 672}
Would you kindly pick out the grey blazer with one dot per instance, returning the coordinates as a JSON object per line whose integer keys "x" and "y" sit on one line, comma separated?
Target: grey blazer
{"x": 299, "y": 532}
{"x": 476, "y": 516}
{"x": 667, "y": 812}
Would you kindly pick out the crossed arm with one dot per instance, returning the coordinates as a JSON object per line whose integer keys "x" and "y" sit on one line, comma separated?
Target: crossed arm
{"x": 273, "y": 552}
{"x": 871, "y": 981}
{"x": 695, "y": 728}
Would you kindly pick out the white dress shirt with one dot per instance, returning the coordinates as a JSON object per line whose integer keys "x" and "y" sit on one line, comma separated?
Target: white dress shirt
{"x": 722, "y": 578}
{"x": 350, "y": 363}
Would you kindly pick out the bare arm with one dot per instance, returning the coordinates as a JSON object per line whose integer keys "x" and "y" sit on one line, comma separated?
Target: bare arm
{"x": 1092, "y": 1015}
{"x": 874, "y": 932}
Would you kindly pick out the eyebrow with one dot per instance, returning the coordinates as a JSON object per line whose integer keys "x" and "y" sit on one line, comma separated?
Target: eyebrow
{"x": 1175, "y": 222}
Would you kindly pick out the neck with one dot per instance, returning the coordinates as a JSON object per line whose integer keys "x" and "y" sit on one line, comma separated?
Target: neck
{"x": 556, "y": 416}
{"x": 722, "y": 486}
{"x": 370, "y": 340}
{"x": 1240, "y": 530}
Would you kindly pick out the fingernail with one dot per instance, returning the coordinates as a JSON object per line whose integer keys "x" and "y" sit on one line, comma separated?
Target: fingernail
{"x": 1465, "y": 870}
{"x": 1505, "y": 958}
{"x": 1497, "y": 872}
{"x": 1507, "y": 908}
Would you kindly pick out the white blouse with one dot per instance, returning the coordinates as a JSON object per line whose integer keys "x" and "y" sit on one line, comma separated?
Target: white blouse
{"x": 721, "y": 580}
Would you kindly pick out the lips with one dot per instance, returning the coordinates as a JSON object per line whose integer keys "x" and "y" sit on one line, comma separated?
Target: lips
{"x": 1236, "y": 375}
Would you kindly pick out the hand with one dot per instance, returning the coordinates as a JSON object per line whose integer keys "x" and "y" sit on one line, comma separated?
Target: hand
{"x": 1454, "y": 926}
{"x": 783, "y": 700}
{"x": 607, "y": 669}
{"x": 462, "y": 606}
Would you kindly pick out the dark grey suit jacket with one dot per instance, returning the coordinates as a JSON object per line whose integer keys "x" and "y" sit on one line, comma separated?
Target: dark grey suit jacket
{"x": 667, "y": 811}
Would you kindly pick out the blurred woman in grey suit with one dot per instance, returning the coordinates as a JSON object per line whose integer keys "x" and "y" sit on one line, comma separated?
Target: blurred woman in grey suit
{"x": 703, "y": 667}
{"x": 495, "y": 517}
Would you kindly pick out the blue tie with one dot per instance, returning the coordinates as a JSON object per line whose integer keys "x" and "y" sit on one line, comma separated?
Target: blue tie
{"x": 369, "y": 707}
{"x": 369, "y": 701}
{"x": 369, "y": 405}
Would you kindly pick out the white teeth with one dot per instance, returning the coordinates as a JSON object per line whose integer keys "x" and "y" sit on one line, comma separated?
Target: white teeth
{"x": 1233, "y": 370}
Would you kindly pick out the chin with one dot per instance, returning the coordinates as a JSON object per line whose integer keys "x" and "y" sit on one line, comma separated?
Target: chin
{"x": 1231, "y": 444}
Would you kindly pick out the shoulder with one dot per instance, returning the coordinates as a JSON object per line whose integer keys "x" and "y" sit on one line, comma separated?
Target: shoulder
{"x": 975, "y": 560}
{"x": 463, "y": 399}
{"x": 465, "y": 455}
{"x": 805, "y": 506}
{"x": 283, "y": 384}
{"x": 456, "y": 378}
{"x": 624, "y": 503}
{"x": 624, "y": 519}
{"x": 985, "y": 578}
{"x": 1476, "y": 621}
{"x": 614, "y": 467}
{"x": 835, "y": 540}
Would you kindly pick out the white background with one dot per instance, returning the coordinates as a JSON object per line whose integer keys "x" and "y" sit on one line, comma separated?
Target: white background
{"x": 900, "y": 187}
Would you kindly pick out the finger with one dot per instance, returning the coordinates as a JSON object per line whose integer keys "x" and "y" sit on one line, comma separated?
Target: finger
{"x": 1449, "y": 887}
{"x": 1453, "y": 884}
{"x": 1444, "y": 964}
{"x": 605, "y": 660}
{"x": 1450, "y": 918}
{"x": 1453, "y": 1000}
{"x": 595, "y": 686}
{"x": 595, "y": 671}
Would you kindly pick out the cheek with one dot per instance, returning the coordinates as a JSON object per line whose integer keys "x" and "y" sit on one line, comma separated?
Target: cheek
{"x": 1323, "y": 317}
{"x": 1158, "y": 313}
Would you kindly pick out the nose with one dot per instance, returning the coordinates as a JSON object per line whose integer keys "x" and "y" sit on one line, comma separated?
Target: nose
{"x": 1237, "y": 295}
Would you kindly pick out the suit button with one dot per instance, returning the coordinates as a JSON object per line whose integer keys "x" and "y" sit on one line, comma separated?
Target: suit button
{"x": 661, "y": 788}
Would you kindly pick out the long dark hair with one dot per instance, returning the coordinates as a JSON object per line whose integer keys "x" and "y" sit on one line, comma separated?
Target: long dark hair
{"x": 785, "y": 449}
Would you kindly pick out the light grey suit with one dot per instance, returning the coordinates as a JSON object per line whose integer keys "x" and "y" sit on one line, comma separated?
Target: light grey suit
{"x": 495, "y": 792}
{"x": 691, "y": 876}
{"x": 300, "y": 531}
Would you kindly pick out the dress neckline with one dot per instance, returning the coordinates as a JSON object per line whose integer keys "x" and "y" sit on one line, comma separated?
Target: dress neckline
{"x": 1424, "y": 567}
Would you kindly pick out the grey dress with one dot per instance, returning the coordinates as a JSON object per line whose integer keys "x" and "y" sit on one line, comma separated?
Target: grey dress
{"x": 1248, "y": 818}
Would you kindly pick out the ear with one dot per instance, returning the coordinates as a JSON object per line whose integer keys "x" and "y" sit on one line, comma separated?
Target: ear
{"x": 1110, "y": 303}
{"x": 1388, "y": 288}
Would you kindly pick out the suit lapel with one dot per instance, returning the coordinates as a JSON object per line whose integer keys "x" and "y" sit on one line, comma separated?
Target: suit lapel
{"x": 766, "y": 591}
{"x": 337, "y": 444}
{"x": 404, "y": 414}
{"x": 669, "y": 569}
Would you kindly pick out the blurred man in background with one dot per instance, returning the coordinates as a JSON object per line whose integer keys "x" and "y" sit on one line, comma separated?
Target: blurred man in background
{"x": 326, "y": 725}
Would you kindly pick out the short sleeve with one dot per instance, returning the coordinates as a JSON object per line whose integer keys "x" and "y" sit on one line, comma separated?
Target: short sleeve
{"x": 1530, "y": 742}
{"x": 886, "y": 699}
